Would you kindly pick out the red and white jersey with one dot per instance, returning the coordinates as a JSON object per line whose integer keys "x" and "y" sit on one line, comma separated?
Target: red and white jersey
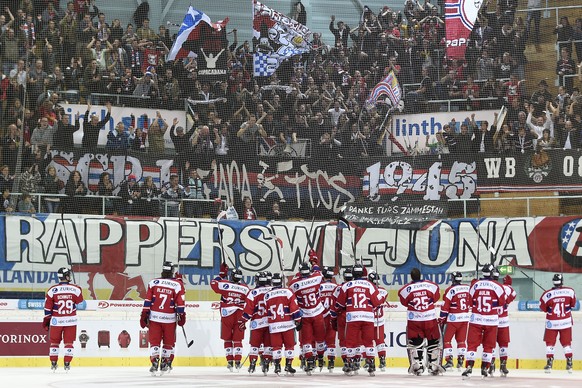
{"x": 510, "y": 296}
{"x": 165, "y": 298}
{"x": 232, "y": 295}
{"x": 558, "y": 303}
{"x": 327, "y": 290}
{"x": 379, "y": 311}
{"x": 306, "y": 290}
{"x": 282, "y": 308}
{"x": 486, "y": 298}
{"x": 61, "y": 302}
{"x": 419, "y": 298}
{"x": 358, "y": 298}
{"x": 255, "y": 308}
{"x": 457, "y": 303}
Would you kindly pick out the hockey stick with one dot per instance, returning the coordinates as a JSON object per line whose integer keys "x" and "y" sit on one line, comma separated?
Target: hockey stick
{"x": 189, "y": 343}
{"x": 69, "y": 258}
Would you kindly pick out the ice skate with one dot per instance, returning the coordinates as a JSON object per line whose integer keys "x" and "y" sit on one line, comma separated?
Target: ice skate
{"x": 383, "y": 363}
{"x": 320, "y": 362}
{"x": 460, "y": 361}
{"x": 265, "y": 367}
{"x": 549, "y": 364}
{"x": 229, "y": 366}
{"x": 569, "y": 364}
{"x": 237, "y": 366}
{"x": 278, "y": 367}
{"x": 356, "y": 365}
{"x": 484, "y": 371}
{"x": 467, "y": 373}
{"x": 67, "y": 366}
{"x": 449, "y": 363}
{"x": 53, "y": 366}
{"x": 330, "y": 365}
{"x": 416, "y": 369}
{"x": 302, "y": 365}
{"x": 154, "y": 367}
{"x": 310, "y": 366}
{"x": 435, "y": 369}
{"x": 289, "y": 370}
{"x": 491, "y": 370}
{"x": 252, "y": 366}
{"x": 371, "y": 367}
{"x": 503, "y": 368}
{"x": 348, "y": 368}
{"x": 164, "y": 366}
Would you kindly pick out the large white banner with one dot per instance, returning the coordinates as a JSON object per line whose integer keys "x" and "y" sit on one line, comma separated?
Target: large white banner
{"x": 123, "y": 114}
{"x": 412, "y": 130}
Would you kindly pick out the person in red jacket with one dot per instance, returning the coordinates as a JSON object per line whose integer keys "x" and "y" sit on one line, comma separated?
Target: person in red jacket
{"x": 358, "y": 298}
{"x": 284, "y": 318}
{"x": 503, "y": 327}
{"x": 163, "y": 308}
{"x": 60, "y": 316}
{"x": 455, "y": 313}
{"x": 233, "y": 294}
{"x": 422, "y": 329}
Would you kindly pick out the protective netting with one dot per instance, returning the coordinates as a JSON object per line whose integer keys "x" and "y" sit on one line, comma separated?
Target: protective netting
{"x": 282, "y": 125}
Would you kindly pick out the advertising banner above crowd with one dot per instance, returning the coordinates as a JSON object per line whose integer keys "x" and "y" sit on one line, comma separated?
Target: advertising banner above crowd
{"x": 114, "y": 257}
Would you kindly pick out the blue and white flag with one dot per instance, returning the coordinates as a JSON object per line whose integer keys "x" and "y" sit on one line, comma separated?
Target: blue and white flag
{"x": 279, "y": 38}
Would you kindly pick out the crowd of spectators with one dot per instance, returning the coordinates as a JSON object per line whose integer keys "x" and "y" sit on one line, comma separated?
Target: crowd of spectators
{"x": 53, "y": 52}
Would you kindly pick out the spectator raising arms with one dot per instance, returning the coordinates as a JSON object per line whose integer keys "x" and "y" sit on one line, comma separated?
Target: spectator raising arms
{"x": 92, "y": 126}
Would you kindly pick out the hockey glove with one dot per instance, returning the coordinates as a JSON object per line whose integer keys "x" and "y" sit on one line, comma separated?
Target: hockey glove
{"x": 242, "y": 325}
{"x": 298, "y": 325}
{"x": 46, "y": 322}
{"x": 333, "y": 323}
{"x": 223, "y": 273}
{"x": 144, "y": 319}
{"x": 181, "y": 319}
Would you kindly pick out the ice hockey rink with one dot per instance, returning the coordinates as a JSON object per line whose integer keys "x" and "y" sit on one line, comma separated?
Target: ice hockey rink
{"x": 220, "y": 377}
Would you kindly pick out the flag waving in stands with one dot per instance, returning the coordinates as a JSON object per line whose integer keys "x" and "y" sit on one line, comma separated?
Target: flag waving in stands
{"x": 277, "y": 38}
{"x": 190, "y": 33}
{"x": 460, "y": 17}
{"x": 390, "y": 87}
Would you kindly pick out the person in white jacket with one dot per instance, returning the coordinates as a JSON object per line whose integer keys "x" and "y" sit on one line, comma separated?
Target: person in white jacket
{"x": 540, "y": 123}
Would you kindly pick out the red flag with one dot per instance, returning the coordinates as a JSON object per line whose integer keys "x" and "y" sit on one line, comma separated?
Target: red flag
{"x": 460, "y": 16}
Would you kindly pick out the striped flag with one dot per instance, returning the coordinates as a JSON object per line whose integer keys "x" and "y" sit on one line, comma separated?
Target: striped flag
{"x": 390, "y": 87}
{"x": 189, "y": 32}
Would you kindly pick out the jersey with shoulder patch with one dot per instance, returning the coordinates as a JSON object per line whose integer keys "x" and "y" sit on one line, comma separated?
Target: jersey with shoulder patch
{"x": 282, "y": 308}
{"x": 420, "y": 298}
{"x": 326, "y": 291}
{"x": 358, "y": 298}
{"x": 61, "y": 302}
{"x": 457, "y": 303}
{"x": 486, "y": 298}
{"x": 165, "y": 298}
{"x": 306, "y": 290}
{"x": 510, "y": 296}
{"x": 255, "y": 308}
{"x": 558, "y": 303}
{"x": 232, "y": 295}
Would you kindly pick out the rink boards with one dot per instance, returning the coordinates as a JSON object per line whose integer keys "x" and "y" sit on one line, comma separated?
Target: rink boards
{"x": 109, "y": 334}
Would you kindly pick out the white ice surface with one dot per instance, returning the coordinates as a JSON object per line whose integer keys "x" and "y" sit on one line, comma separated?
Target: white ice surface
{"x": 180, "y": 377}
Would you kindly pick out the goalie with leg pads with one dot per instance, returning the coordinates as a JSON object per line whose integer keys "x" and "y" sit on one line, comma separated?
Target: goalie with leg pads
{"x": 419, "y": 297}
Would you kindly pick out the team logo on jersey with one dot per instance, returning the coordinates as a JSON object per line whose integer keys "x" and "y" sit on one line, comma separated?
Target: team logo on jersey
{"x": 53, "y": 321}
{"x": 225, "y": 286}
{"x": 452, "y": 318}
{"x": 254, "y": 292}
{"x": 472, "y": 319}
{"x": 296, "y": 286}
{"x": 253, "y": 324}
{"x": 408, "y": 289}
{"x": 350, "y": 284}
{"x": 548, "y": 324}
{"x": 453, "y": 292}
{"x": 156, "y": 281}
{"x": 348, "y": 317}
{"x": 224, "y": 312}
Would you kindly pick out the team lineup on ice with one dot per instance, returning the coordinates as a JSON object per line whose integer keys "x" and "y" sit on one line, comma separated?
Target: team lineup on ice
{"x": 322, "y": 314}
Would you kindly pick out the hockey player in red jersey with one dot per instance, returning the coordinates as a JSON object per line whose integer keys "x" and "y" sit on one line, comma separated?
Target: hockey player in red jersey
{"x": 503, "y": 327}
{"x": 233, "y": 294}
{"x": 163, "y": 307}
{"x": 305, "y": 286}
{"x": 60, "y": 316}
{"x": 358, "y": 298}
{"x": 486, "y": 297}
{"x": 455, "y": 313}
{"x": 255, "y": 310}
{"x": 558, "y": 303}
{"x": 338, "y": 319}
{"x": 379, "y": 321}
{"x": 284, "y": 319}
{"x": 327, "y": 290}
{"x": 422, "y": 330}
